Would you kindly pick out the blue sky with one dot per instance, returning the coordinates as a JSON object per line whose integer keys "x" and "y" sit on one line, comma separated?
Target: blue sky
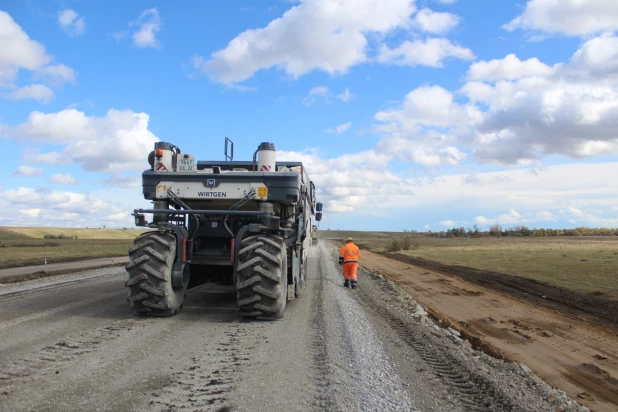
{"x": 420, "y": 114}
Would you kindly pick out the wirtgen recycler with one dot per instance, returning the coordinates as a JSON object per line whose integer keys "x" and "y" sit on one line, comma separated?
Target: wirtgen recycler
{"x": 246, "y": 223}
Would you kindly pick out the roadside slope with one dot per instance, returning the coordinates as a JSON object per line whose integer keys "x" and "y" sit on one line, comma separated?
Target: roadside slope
{"x": 571, "y": 354}
{"x": 589, "y": 307}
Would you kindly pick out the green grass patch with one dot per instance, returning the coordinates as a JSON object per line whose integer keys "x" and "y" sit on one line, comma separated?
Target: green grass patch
{"x": 582, "y": 264}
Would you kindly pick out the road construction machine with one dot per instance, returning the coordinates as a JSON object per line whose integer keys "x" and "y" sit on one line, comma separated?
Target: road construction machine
{"x": 241, "y": 223}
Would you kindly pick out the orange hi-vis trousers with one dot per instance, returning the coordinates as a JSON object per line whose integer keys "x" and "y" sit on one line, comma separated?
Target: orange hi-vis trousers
{"x": 349, "y": 270}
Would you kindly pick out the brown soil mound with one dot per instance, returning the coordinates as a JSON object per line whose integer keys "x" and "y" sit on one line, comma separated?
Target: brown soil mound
{"x": 530, "y": 290}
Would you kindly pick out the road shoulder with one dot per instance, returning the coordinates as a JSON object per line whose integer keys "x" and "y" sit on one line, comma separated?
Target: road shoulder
{"x": 575, "y": 356}
{"x": 23, "y": 273}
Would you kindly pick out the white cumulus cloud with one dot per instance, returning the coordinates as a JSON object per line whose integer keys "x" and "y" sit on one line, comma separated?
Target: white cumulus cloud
{"x": 363, "y": 183}
{"x": 545, "y": 216}
{"x": 569, "y": 17}
{"x": 511, "y": 217}
{"x": 63, "y": 179}
{"x": 148, "y": 25}
{"x": 535, "y": 110}
{"x": 429, "y": 106}
{"x": 447, "y": 223}
{"x": 430, "y": 52}
{"x": 56, "y": 75}
{"x": 597, "y": 59}
{"x": 71, "y": 23}
{"x": 319, "y": 92}
{"x": 350, "y": 181}
{"x": 341, "y": 128}
{"x": 578, "y": 216}
{"x": 123, "y": 181}
{"x": 27, "y": 171}
{"x": 509, "y": 68}
{"x": 60, "y": 208}
{"x": 143, "y": 30}
{"x": 118, "y": 141}
{"x": 346, "y": 96}
{"x": 436, "y": 22}
{"x": 38, "y": 92}
{"x": 30, "y": 212}
{"x": 19, "y": 52}
{"x": 313, "y": 35}
{"x": 415, "y": 131}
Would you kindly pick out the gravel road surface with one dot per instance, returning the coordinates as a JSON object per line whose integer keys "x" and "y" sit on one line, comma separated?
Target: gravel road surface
{"x": 68, "y": 343}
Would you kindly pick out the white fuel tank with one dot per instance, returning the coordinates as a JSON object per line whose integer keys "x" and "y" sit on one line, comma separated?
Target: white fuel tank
{"x": 266, "y": 157}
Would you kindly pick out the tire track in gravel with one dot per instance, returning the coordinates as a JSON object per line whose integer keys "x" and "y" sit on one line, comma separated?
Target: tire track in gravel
{"x": 325, "y": 399}
{"x": 472, "y": 390}
{"x": 474, "y": 393}
{"x": 50, "y": 357}
{"x": 283, "y": 369}
{"x": 120, "y": 363}
{"x": 361, "y": 375}
{"x": 206, "y": 384}
{"x": 58, "y": 309}
{"x": 475, "y": 380}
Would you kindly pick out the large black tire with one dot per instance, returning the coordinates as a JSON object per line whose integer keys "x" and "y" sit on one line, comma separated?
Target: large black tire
{"x": 150, "y": 275}
{"x": 262, "y": 277}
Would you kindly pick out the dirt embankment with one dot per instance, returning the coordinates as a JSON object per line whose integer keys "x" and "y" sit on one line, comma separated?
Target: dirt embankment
{"x": 562, "y": 344}
{"x": 553, "y": 297}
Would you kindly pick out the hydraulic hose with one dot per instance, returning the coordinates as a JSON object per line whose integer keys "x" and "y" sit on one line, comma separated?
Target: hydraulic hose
{"x": 182, "y": 204}
{"x": 235, "y": 206}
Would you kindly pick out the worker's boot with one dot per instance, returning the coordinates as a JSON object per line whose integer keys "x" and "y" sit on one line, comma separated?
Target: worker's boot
{"x": 353, "y": 284}
{"x": 346, "y": 284}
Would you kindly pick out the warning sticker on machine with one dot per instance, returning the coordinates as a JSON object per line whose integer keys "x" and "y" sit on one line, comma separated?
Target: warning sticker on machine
{"x": 262, "y": 191}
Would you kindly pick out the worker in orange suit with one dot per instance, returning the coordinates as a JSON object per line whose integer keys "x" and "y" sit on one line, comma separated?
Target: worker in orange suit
{"x": 348, "y": 258}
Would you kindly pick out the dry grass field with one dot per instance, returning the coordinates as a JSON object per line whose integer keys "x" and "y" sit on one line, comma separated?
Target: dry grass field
{"x": 9, "y": 232}
{"x": 27, "y": 245}
{"x": 582, "y": 264}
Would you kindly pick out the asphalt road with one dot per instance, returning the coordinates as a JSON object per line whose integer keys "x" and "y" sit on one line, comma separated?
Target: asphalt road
{"x": 70, "y": 344}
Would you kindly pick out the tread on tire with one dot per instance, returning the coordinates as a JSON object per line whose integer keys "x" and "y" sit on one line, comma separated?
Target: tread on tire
{"x": 150, "y": 275}
{"x": 261, "y": 274}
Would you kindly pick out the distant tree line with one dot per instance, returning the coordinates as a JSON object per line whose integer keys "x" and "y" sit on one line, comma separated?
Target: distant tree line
{"x": 521, "y": 231}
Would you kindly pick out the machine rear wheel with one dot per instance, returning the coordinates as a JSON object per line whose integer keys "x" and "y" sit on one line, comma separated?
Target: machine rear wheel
{"x": 150, "y": 275}
{"x": 261, "y": 277}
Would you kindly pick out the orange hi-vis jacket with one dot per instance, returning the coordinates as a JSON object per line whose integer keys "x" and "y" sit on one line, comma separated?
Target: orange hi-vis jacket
{"x": 349, "y": 252}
